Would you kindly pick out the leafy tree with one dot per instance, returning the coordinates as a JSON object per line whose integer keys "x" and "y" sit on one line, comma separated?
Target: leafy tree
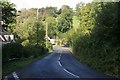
{"x": 65, "y": 19}
{"x": 106, "y": 25}
{"x": 23, "y": 28}
{"x": 48, "y": 11}
{"x": 52, "y": 30}
{"x": 77, "y": 8}
{"x": 8, "y": 15}
{"x": 37, "y": 36}
{"x": 86, "y": 18}
{"x": 98, "y": 39}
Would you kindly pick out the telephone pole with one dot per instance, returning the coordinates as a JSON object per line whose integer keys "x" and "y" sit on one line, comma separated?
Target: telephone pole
{"x": 46, "y": 33}
{"x": 37, "y": 14}
{"x": 46, "y": 27}
{"x": 37, "y": 27}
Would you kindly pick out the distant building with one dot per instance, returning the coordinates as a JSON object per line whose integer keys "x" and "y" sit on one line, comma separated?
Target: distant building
{"x": 52, "y": 41}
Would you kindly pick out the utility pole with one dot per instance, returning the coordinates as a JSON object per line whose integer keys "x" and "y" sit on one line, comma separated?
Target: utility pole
{"x": 37, "y": 27}
{"x": 37, "y": 14}
{"x": 45, "y": 28}
{"x": 46, "y": 33}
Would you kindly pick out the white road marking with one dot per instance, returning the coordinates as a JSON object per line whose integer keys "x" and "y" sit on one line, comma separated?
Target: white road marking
{"x": 64, "y": 68}
{"x": 59, "y": 63}
{"x": 6, "y": 78}
{"x": 71, "y": 73}
{"x": 59, "y": 57}
{"x": 15, "y": 76}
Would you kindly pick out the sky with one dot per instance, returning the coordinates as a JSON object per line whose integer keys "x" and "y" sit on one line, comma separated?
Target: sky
{"x": 44, "y": 3}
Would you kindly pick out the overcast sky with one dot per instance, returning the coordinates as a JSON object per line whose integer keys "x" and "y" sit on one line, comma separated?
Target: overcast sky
{"x": 44, "y": 3}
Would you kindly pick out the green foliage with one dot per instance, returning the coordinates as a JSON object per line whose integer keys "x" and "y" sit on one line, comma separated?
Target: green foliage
{"x": 77, "y": 8}
{"x": 12, "y": 50}
{"x": 24, "y": 25}
{"x": 8, "y": 68}
{"x": 102, "y": 57}
{"x": 36, "y": 51}
{"x": 27, "y": 30}
{"x": 48, "y": 11}
{"x": 37, "y": 35}
{"x": 49, "y": 46}
{"x": 16, "y": 50}
{"x": 64, "y": 20}
{"x": 98, "y": 44}
{"x": 71, "y": 35}
{"x": 52, "y": 29}
{"x": 106, "y": 25}
{"x": 8, "y": 14}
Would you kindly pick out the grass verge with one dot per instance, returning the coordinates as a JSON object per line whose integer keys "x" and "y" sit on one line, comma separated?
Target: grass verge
{"x": 11, "y": 66}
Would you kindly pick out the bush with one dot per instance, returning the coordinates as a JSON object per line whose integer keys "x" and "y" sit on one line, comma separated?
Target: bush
{"x": 36, "y": 51}
{"x": 98, "y": 54}
{"x": 49, "y": 46}
{"x": 12, "y": 50}
{"x": 16, "y": 50}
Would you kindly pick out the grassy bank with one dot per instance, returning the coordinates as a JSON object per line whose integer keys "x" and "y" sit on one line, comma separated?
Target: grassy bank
{"x": 100, "y": 56}
{"x": 11, "y": 66}
{"x": 98, "y": 41}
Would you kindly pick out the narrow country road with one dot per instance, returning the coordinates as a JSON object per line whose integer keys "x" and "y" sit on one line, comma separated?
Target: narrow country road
{"x": 59, "y": 64}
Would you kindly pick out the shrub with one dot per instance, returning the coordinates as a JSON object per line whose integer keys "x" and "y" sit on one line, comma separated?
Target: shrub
{"x": 12, "y": 50}
{"x": 49, "y": 46}
{"x": 36, "y": 51}
{"x": 98, "y": 54}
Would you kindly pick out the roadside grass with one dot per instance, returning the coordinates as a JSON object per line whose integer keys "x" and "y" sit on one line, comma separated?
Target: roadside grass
{"x": 11, "y": 66}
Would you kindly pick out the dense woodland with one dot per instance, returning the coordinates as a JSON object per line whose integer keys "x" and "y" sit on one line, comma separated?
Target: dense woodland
{"x": 92, "y": 31}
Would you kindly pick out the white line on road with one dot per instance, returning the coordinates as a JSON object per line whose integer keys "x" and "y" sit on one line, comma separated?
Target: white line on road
{"x": 64, "y": 68}
{"x": 15, "y": 76}
{"x": 71, "y": 73}
{"x": 59, "y": 63}
{"x": 59, "y": 57}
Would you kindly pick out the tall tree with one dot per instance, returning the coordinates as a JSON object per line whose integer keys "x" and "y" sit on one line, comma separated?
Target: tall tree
{"x": 8, "y": 15}
{"x": 65, "y": 19}
{"x": 77, "y": 8}
{"x": 37, "y": 36}
{"x": 52, "y": 30}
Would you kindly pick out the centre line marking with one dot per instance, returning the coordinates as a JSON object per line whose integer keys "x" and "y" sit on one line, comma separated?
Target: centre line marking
{"x": 59, "y": 63}
{"x": 71, "y": 73}
{"x": 59, "y": 57}
{"x": 64, "y": 68}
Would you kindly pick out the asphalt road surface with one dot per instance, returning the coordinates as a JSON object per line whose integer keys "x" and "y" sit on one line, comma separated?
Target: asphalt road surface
{"x": 59, "y": 64}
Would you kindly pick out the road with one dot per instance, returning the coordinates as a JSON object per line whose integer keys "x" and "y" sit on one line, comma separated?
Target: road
{"x": 59, "y": 64}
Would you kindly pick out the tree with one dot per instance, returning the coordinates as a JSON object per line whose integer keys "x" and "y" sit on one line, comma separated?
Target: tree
{"x": 8, "y": 15}
{"x": 48, "y": 11}
{"x": 99, "y": 40}
{"x": 65, "y": 19}
{"x": 52, "y": 30}
{"x": 77, "y": 8}
{"x": 106, "y": 25}
{"x": 37, "y": 36}
{"x": 23, "y": 27}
